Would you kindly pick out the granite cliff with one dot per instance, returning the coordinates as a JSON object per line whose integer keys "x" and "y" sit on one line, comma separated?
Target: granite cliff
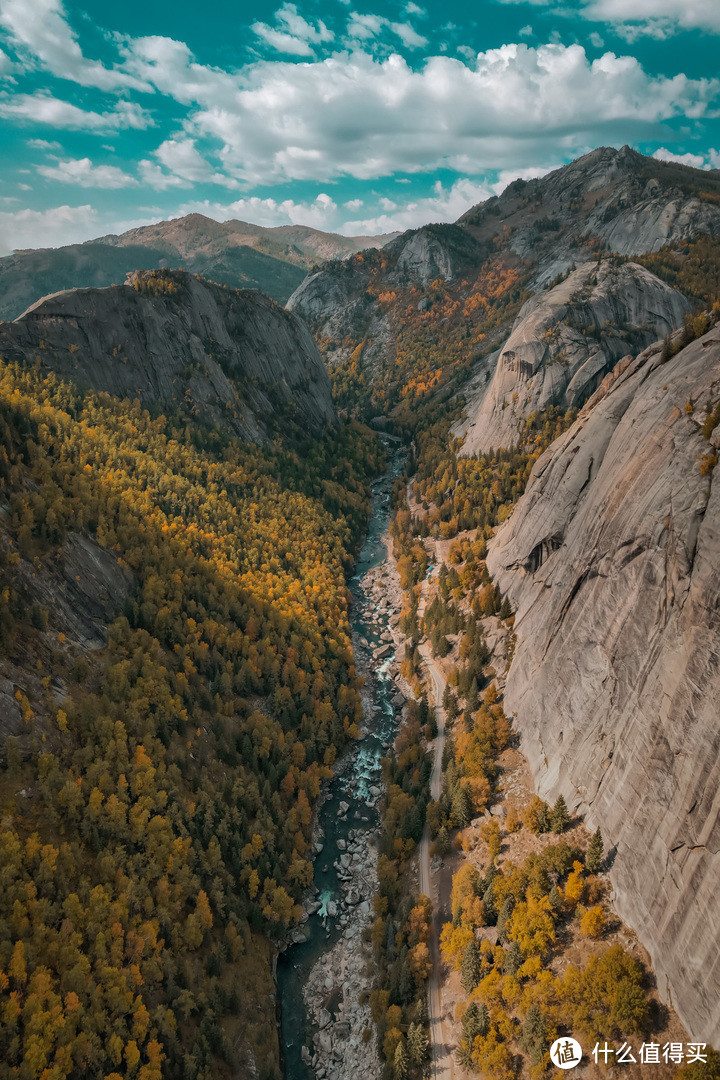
{"x": 564, "y": 341}
{"x": 449, "y": 295}
{"x": 610, "y": 559}
{"x": 178, "y": 343}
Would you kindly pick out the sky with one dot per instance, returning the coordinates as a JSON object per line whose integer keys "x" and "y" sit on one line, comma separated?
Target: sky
{"x": 352, "y": 116}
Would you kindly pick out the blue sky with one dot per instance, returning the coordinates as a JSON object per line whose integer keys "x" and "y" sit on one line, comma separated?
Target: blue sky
{"x": 350, "y": 116}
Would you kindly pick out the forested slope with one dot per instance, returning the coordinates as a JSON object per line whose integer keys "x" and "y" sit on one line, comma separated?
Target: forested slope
{"x": 156, "y": 791}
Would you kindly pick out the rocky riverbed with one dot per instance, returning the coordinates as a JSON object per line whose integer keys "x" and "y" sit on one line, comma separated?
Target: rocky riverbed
{"x": 326, "y": 1032}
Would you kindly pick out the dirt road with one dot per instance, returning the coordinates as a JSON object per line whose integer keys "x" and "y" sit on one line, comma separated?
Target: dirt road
{"x": 441, "y": 1056}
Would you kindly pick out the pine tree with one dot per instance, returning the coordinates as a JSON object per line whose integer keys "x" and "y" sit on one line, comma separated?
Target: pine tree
{"x": 471, "y": 1022}
{"x": 505, "y": 609}
{"x": 470, "y": 970}
{"x": 489, "y": 905}
{"x": 594, "y": 857}
{"x": 533, "y": 1037}
{"x": 513, "y": 958}
{"x": 555, "y": 898}
{"x": 400, "y": 1062}
{"x": 417, "y": 1043}
{"x": 544, "y": 819}
{"x": 559, "y": 817}
{"x": 442, "y": 842}
{"x": 505, "y": 913}
{"x": 461, "y": 805}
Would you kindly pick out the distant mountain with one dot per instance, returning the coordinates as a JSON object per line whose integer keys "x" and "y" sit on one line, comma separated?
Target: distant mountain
{"x": 176, "y": 343}
{"x": 232, "y": 253}
{"x": 196, "y": 236}
{"x": 431, "y": 309}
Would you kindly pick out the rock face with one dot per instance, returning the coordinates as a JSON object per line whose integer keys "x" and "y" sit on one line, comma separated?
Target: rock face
{"x": 333, "y": 296}
{"x": 611, "y": 560}
{"x": 563, "y": 343}
{"x": 630, "y": 203}
{"x": 179, "y": 343}
{"x": 437, "y": 285}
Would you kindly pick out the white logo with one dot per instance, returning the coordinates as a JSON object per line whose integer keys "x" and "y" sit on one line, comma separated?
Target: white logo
{"x": 566, "y": 1053}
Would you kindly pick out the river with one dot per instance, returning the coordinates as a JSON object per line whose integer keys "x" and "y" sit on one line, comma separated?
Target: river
{"x": 357, "y": 772}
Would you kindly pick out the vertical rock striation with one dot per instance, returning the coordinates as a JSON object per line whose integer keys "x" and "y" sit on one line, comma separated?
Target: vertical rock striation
{"x": 611, "y": 559}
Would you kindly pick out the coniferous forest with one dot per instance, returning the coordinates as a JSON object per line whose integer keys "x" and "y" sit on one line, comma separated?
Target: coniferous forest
{"x": 157, "y": 790}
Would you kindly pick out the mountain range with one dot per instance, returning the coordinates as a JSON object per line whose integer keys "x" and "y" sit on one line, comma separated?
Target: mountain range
{"x": 233, "y": 253}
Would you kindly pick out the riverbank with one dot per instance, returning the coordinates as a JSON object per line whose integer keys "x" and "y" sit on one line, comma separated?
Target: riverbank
{"x": 321, "y": 978}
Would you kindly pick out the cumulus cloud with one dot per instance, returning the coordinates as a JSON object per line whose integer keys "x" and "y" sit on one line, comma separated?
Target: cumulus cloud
{"x": 292, "y": 33}
{"x": 82, "y": 173}
{"x": 320, "y": 213}
{"x": 634, "y": 18}
{"x": 445, "y": 204}
{"x": 153, "y": 176}
{"x": 42, "y": 30}
{"x": 45, "y": 109}
{"x": 697, "y": 161}
{"x": 182, "y": 159}
{"x": 45, "y": 228}
{"x": 509, "y": 108}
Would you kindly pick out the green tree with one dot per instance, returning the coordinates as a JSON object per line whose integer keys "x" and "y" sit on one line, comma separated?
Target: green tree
{"x": 417, "y": 1044}
{"x": 533, "y": 1036}
{"x": 513, "y": 958}
{"x": 594, "y": 857}
{"x": 400, "y": 1061}
{"x": 559, "y": 816}
{"x": 470, "y": 969}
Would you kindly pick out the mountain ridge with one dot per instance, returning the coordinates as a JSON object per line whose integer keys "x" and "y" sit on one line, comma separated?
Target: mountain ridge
{"x": 225, "y": 357}
{"x": 233, "y": 253}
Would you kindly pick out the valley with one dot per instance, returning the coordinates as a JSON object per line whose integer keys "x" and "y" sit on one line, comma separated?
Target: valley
{"x": 359, "y": 666}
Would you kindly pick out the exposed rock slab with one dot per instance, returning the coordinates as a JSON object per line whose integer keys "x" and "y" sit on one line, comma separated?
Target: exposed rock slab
{"x": 176, "y": 342}
{"x": 564, "y": 342}
{"x": 611, "y": 559}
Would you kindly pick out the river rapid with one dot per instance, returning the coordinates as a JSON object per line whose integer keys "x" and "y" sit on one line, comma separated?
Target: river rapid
{"x": 348, "y": 817}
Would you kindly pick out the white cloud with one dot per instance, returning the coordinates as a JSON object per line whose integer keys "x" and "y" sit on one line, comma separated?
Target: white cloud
{"x": 633, "y": 18}
{"x": 153, "y": 176}
{"x": 511, "y": 107}
{"x": 7, "y": 67}
{"x": 506, "y": 176}
{"x": 321, "y": 213}
{"x": 596, "y": 40}
{"x": 526, "y": 31}
{"x": 181, "y": 158}
{"x": 43, "y": 144}
{"x": 82, "y": 172}
{"x": 686, "y": 14}
{"x": 292, "y": 34}
{"x": 46, "y": 228}
{"x": 41, "y": 28}
{"x": 368, "y": 27}
{"x": 42, "y": 108}
{"x": 696, "y": 161}
{"x": 353, "y": 204}
{"x": 446, "y": 204}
